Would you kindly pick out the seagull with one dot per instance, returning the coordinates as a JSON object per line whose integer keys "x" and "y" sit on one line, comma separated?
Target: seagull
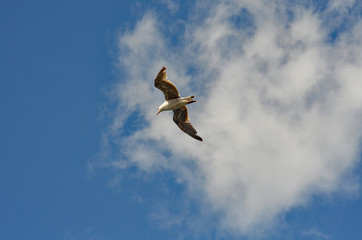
{"x": 174, "y": 102}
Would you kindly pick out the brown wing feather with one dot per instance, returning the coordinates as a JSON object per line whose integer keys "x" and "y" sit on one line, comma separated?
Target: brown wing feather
{"x": 180, "y": 117}
{"x": 167, "y": 87}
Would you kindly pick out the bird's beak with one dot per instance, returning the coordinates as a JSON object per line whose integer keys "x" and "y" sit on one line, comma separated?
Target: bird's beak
{"x": 158, "y": 112}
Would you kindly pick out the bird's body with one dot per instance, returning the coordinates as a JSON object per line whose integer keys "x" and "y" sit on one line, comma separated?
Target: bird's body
{"x": 174, "y": 102}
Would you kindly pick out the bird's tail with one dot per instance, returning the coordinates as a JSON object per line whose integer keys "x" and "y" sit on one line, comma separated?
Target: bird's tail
{"x": 190, "y": 99}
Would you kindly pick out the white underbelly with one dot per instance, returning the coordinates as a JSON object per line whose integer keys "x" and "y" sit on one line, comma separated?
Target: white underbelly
{"x": 172, "y": 104}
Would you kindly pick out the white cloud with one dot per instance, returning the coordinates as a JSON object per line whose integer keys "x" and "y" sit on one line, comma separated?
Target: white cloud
{"x": 313, "y": 233}
{"x": 342, "y": 3}
{"x": 173, "y": 6}
{"x": 279, "y": 107}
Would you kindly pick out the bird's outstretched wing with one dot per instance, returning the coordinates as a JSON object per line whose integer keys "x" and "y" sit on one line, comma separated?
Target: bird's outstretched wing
{"x": 180, "y": 117}
{"x": 165, "y": 85}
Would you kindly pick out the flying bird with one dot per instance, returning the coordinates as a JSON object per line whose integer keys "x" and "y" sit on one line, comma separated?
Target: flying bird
{"x": 174, "y": 102}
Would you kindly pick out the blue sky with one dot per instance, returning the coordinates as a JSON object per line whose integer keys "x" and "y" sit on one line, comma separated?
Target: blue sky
{"x": 82, "y": 155}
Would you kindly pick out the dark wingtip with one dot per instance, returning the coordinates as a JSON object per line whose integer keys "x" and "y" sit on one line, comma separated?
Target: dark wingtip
{"x": 161, "y": 71}
{"x": 198, "y": 138}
